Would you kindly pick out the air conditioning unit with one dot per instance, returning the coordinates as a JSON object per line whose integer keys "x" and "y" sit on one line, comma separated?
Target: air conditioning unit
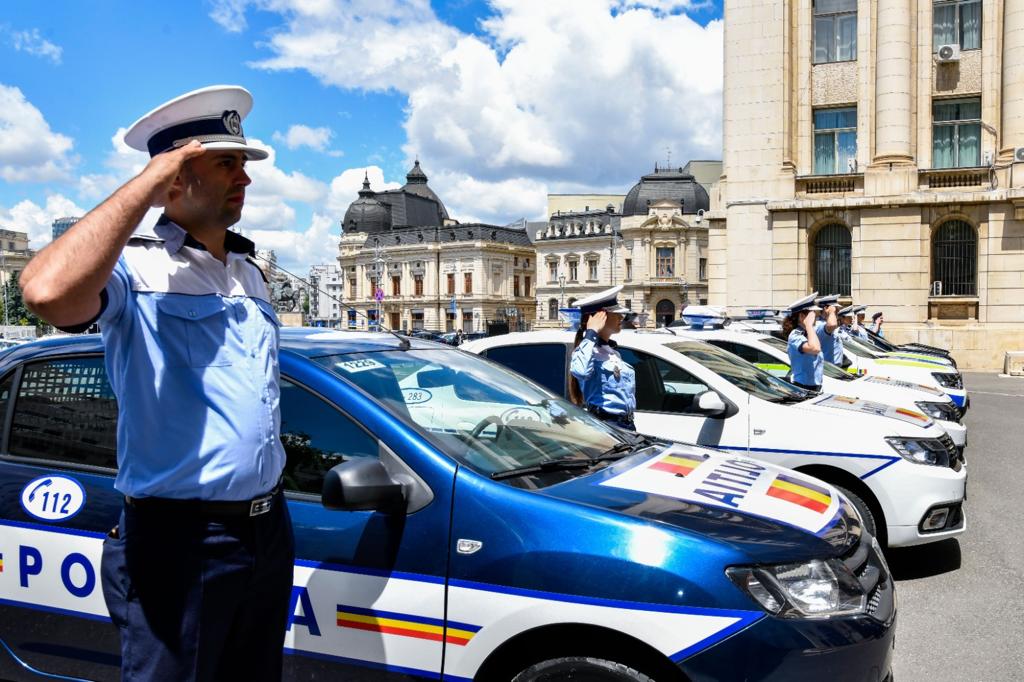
{"x": 947, "y": 53}
{"x": 1018, "y": 155}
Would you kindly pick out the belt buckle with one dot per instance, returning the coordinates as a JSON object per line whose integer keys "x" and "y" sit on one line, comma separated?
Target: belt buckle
{"x": 261, "y": 505}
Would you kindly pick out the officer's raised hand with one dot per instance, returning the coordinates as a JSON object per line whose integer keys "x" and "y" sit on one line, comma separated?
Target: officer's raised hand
{"x": 163, "y": 169}
{"x": 597, "y": 321}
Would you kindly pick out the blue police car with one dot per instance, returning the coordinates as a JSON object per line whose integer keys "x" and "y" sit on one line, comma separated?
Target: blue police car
{"x": 455, "y": 521}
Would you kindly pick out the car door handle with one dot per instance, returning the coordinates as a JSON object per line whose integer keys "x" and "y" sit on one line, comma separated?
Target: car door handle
{"x": 759, "y": 432}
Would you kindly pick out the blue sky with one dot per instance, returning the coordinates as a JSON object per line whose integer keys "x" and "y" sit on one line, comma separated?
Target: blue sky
{"x": 502, "y": 101}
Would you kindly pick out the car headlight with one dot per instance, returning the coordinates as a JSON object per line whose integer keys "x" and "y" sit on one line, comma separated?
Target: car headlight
{"x": 944, "y": 411}
{"x": 949, "y": 379}
{"x": 813, "y": 589}
{"x": 921, "y": 450}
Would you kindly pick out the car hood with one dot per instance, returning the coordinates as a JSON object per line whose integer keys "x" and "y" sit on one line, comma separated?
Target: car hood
{"x": 899, "y": 421}
{"x": 767, "y": 512}
{"x": 889, "y": 382}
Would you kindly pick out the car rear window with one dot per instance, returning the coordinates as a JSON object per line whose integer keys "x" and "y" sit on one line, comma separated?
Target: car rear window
{"x": 543, "y": 363}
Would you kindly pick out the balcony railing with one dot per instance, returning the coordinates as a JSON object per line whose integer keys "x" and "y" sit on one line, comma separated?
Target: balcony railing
{"x": 829, "y": 184}
{"x": 949, "y": 178}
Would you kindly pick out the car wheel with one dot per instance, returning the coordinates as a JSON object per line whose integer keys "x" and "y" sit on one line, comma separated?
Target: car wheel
{"x": 580, "y": 669}
{"x": 867, "y": 515}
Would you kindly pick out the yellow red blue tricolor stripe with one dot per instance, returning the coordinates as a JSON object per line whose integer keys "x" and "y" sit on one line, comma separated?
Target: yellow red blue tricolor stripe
{"x": 800, "y": 492}
{"x": 405, "y": 625}
{"x": 679, "y": 464}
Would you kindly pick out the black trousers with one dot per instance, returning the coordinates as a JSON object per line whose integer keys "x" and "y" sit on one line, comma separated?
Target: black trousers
{"x": 198, "y": 597}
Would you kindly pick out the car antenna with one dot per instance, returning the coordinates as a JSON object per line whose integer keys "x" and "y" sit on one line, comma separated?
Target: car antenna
{"x": 403, "y": 342}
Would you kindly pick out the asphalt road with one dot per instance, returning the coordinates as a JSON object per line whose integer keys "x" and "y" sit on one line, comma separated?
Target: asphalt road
{"x": 961, "y": 602}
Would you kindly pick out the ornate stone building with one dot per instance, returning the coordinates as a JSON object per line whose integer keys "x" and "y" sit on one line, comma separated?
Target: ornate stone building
{"x": 655, "y": 246}
{"x": 401, "y": 256}
{"x": 874, "y": 150}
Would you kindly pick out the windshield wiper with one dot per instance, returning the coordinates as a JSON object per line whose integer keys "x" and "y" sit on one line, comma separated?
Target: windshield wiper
{"x": 565, "y": 464}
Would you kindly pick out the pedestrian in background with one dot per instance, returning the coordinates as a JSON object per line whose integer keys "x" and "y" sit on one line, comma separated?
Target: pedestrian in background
{"x": 197, "y": 574}
{"x": 600, "y": 380}
{"x": 802, "y": 344}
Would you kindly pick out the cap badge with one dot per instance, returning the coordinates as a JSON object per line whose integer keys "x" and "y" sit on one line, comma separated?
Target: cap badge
{"x": 232, "y": 122}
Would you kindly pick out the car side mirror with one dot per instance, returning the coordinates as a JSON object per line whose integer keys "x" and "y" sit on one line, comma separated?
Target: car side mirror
{"x": 709, "y": 403}
{"x": 362, "y": 484}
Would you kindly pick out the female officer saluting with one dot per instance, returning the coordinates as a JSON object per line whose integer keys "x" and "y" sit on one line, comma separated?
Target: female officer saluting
{"x": 600, "y": 381}
{"x": 804, "y": 348}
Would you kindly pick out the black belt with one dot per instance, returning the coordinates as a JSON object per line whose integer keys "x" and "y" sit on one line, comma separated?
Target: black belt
{"x": 809, "y": 387}
{"x": 217, "y": 508}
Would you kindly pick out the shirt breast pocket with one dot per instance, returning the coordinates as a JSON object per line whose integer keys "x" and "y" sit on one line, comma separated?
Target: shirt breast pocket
{"x": 193, "y": 331}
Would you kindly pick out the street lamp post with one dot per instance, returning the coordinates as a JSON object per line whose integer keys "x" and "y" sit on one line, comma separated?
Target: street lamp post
{"x": 380, "y": 261}
{"x": 561, "y": 283}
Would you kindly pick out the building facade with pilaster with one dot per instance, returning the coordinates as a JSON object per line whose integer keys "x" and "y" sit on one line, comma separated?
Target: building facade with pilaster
{"x": 874, "y": 150}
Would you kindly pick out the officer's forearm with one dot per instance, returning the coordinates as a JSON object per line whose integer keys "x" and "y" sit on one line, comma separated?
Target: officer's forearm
{"x": 62, "y": 284}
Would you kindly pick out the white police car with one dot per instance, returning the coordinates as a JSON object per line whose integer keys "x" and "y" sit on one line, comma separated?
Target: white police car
{"x": 901, "y": 470}
{"x": 454, "y": 521}
{"x": 771, "y": 354}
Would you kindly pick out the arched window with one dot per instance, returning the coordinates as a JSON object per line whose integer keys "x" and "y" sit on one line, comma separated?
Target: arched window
{"x": 830, "y": 263}
{"x": 954, "y": 259}
{"x": 552, "y": 308}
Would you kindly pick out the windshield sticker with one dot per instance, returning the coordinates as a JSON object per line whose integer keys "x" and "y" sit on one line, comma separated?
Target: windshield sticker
{"x": 416, "y": 396}
{"x": 355, "y": 366}
{"x": 898, "y": 383}
{"x": 734, "y": 483}
{"x": 879, "y": 409}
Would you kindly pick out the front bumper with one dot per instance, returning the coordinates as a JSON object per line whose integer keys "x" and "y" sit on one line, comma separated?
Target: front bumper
{"x": 907, "y": 491}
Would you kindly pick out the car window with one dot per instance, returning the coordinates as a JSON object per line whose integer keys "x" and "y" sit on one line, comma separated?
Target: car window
{"x": 543, "y": 363}
{"x": 65, "y": 410}
{"x": 316, "y": 437}
{"x": 660, "y": 385}
{"x": 483, "y": 416}
{"x": 768, "y": 363}
{"x": 738, "y": 372}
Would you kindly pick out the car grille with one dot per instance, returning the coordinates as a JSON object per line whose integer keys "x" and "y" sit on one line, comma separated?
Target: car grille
{"x": 956, "y": 455}
{"x": 868, "y": 565}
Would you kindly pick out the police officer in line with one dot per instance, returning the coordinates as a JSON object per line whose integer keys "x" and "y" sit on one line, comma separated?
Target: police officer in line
{"x": 827, "y": 328}
{"x": 876, "y": 323}
{"x": 600, "y": 380}
{"x": 849, "y": 322}
{"x": 803, "y": 345}
{"x": 197, "y": 575}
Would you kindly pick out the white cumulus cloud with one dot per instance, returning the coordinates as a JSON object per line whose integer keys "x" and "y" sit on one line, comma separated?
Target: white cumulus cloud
{"x": 300, "y": 135}
{"x": 586, "y": 93}
{"x": 31, "y": 42}
{"x": 37, "y": 221}
{"x": 295, "y": 250}
{"x": 30, "y": 151}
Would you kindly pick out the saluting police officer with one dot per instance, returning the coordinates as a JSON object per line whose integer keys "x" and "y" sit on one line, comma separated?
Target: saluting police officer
{"x": 805, "y": 357}
{"x": 827, "y": 329}
{"x": 849, "y": 323}
{"x": 601, "y": 381}
{"x": 198, "y": 572}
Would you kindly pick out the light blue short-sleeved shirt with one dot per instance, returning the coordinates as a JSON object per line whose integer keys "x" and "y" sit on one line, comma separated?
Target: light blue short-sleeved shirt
{"x": 831, "y": 344}
{"x": 192, "y": 355}
{"x": 606, "y": 380}
{"x": 807, "y": 368}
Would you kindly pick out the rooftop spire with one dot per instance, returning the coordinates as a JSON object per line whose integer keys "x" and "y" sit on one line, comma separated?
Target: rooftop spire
{"x": 416, "y": 176}
{"x": 366, "y": 191}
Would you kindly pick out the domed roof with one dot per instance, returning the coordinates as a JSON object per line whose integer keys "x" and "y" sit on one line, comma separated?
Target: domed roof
{"x": 416, "y": 183}
{"x": 670, "y": 184}
{"x": 366, "y": 214}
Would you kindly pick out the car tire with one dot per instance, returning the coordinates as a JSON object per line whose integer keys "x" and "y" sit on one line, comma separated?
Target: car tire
{"x": 580, "y": 669}
{"x": 867, "y": 514}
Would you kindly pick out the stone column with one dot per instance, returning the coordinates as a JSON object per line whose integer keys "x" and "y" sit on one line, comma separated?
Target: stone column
{"x": 893, "y": 84}
{"x": 1013, "y": 79}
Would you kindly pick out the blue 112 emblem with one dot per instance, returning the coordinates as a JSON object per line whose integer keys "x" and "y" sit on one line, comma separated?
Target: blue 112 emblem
{"x": 53, "y": 498}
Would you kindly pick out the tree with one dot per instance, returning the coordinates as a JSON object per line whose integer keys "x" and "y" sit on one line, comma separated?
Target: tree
{"x": 14, "y": 304}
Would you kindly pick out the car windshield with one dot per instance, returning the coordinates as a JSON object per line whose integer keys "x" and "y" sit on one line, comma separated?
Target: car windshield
{"x": 482, "y": 415}
{"x": 860, "y": 349}
{"x": 830, "y": 370}
{"x": 739, "y": 372}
